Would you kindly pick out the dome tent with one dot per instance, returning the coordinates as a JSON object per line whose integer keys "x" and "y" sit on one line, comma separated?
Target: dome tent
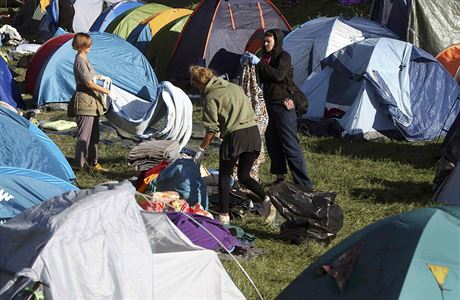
{"x": 315, "y": 40}
{"x": 110, "y": 13}
{"x": 125, "y": 23}
{"x": 384, "y": 84}
{"x": 413, "y": 255}
{"x": 217, "y": 32}
{"x": 94, "y": 243}
{"x": 26, "y": 188}
{"x": 424, "y": 23}
{"x": 8, "y": 91}
{"x": 159, "y": 50}
{"x": 111, "y": 56}
{"x": 41, "y": 57}
{"x": 23, "y": 145}
{"x": 148, "y": 28}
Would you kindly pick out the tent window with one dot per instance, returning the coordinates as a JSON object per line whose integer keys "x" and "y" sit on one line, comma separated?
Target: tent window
{"x": 231, "y": 16}
{"x": 261, "y": 15}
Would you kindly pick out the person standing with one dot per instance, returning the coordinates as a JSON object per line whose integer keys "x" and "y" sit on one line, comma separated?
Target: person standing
{"x": 226, "y": 109}
{"x": 86, "y": 104}
{"x": 284, "y": 102}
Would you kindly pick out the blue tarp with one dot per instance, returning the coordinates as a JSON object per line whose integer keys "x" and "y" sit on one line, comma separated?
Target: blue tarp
{"x": 111, "y": 13}
{"x": 21, "y": 189}
{"x": 385, "y": 84}
{"x": 8, "y": 92}
{"x": 111, "y": 56}
{"x": 23, "y": 145}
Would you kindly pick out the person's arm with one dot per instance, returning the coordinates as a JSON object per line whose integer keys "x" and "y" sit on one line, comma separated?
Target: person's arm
{"x": 280, "y": 72}
{"x": 207, "y": 140}
{"x": 210, "y": 118}
{"x": 96, "y": 87}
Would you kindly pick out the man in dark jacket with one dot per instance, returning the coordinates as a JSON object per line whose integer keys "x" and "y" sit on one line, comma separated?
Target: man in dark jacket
{"x": 284, "y": 100}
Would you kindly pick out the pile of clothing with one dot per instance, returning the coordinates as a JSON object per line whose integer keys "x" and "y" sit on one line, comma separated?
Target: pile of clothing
{"x": 9, "y": 35}
{"x": 148, "y": 154}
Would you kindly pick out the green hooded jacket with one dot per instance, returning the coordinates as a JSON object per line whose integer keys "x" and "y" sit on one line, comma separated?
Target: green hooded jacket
{"x": 226, "y": 108}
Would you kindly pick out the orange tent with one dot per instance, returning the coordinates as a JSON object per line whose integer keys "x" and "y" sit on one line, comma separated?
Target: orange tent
{"x": 450, "y": 58}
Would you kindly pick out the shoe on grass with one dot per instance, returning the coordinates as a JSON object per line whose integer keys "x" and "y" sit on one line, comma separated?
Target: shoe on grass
{"x": 269, "y": 212}
{"x": 98, "y": 168}
{"x": 224, "y": 219}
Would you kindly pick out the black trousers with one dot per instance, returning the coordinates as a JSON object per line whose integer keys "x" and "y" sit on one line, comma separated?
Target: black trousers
{"x": 283, "y": 145}
{"x": 245, "y": 162}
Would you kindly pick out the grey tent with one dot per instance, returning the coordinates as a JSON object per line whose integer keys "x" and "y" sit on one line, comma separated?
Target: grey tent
{"x": 96, "y": 244}
{"x": 449, "y": 191}
{"x": 429, "y": 24}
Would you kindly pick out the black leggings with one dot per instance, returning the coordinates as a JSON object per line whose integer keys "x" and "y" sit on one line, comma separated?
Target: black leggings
{"x": 245, "y": 163}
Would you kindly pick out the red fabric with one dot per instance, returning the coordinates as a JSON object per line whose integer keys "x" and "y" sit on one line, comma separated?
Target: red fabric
{"x": 334, "y": 113}
{"x": 266, "y": 58}
{"x": 141, "y": 184}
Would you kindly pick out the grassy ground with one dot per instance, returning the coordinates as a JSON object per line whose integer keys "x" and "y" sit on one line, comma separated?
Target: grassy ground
{"x": 373, "y": 180}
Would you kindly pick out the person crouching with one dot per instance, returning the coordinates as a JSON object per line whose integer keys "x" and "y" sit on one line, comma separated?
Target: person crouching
{"x": 226, "y": 109}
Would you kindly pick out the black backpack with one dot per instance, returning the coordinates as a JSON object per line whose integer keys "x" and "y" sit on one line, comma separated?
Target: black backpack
{"x": 309, "y": 215}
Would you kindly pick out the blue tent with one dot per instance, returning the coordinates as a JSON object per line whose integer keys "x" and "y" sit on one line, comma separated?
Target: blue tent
{"x": 111, "y": 56}
{"x": 23, "y": 145}
{"x": 315, "y": 40}
{"x": 384, "y": 84}
{"x": 409, "y": 256}
{"x": 111, "y": 13}
{"x": 8, "y": 92}
{"x": 21, "y": 189}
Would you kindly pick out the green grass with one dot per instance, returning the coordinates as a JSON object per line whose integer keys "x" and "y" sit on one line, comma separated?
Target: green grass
{"x": 373, "y": 180}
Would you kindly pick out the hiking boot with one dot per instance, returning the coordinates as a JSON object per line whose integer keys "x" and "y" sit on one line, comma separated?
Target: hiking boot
{"x": 224, "y": 219}
{"x": 269, "y": 212}
{"x": 97, "y": 168}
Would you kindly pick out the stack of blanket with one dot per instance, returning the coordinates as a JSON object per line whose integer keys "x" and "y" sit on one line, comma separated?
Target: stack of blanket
{"x": 148, "y": 154}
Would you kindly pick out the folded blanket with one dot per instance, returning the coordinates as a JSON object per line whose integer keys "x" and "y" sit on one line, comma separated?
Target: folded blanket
{"x": 59, "y": 125}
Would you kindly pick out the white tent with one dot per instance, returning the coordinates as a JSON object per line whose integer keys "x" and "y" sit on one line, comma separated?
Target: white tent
{"x": 96, "y": 244}
{"x": 87, "y": 11}
{"x": 315, "y": 40}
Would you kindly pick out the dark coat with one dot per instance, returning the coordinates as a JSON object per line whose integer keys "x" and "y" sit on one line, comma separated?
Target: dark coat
{"x": 277, "y": 76}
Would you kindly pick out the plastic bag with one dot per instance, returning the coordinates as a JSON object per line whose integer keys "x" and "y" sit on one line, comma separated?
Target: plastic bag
{"x": 308, "y": 214}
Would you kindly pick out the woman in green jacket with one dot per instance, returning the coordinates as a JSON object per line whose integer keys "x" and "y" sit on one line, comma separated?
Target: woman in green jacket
{"x": 226, "y": 109}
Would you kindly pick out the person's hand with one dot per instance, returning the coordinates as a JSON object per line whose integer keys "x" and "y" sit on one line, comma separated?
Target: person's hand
{"x": 251, "y": 58}
{"x": 112, "y": 96}
{"x": 248, "y": 57}
{"x": 289, "y": 103}
{"x": 243, "y": 59}
{"x": 199, "y": 156}
{"x": 104, "y": 78}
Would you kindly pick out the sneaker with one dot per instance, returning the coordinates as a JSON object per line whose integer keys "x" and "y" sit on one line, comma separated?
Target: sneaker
{"x": 224, "y": 219}
{"x": 98, "y": 168}
{"x": 269, "y": 212}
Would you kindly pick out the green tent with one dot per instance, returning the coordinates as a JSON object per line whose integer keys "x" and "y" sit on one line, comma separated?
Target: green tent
{"x": 160, "y": 49}
{"x": 415, "y": 255}
{"x": 125, "y": 23}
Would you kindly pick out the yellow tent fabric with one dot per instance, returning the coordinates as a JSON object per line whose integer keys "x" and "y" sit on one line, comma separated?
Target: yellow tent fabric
{"x": 44, "y": 4}
{"x": 439, "y": 273}
{"x": 158, "y": 21}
